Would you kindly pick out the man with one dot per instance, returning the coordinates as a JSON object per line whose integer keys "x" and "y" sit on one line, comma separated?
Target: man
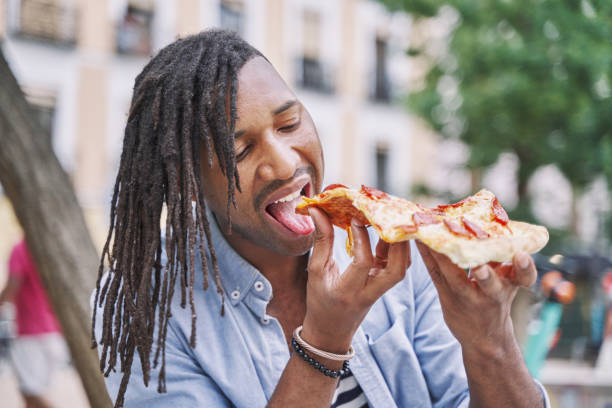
{"x": 39, "y": 349}
{"x": 216, "y": 135}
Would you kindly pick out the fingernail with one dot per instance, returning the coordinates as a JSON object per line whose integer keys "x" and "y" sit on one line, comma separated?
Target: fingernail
{"x": 481, "y": 273}
{"x": 523, "y": 260}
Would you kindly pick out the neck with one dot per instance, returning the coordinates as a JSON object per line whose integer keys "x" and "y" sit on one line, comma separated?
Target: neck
{"x": 284, "y": 272}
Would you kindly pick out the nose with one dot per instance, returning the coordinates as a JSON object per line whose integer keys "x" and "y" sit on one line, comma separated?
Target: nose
{"x": 280, "y": 159}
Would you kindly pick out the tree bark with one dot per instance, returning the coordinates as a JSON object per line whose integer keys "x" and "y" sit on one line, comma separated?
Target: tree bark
{"x": 46, "y": 207}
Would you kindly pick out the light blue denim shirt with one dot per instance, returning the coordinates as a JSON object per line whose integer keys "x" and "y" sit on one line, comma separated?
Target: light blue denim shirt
{"x": 405, "y": 354}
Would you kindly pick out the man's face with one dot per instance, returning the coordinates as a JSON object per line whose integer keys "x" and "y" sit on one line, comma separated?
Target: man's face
{"x": 279, "y": 159}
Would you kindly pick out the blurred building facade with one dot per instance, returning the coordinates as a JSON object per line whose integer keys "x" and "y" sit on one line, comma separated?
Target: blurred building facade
{"x": 76, "y": 61}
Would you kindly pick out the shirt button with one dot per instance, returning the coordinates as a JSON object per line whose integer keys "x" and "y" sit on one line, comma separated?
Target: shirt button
{"x": 259, "y": 286}
{"x": 235, "y": 294}
{"x": 265, "y": 320}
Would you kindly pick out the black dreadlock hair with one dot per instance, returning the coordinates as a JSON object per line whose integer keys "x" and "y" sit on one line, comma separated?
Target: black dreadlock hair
{"x": 186, "y": 94}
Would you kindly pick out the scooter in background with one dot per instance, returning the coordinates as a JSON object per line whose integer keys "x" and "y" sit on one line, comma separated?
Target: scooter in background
{"x": 604, "y": 360}
{"x": 543, "y": 333}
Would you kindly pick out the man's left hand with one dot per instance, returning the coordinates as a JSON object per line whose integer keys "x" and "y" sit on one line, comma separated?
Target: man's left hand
{"x": 476, "y": 306}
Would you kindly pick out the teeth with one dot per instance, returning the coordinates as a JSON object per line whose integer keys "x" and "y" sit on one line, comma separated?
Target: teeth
{"x": 289, "y": 197}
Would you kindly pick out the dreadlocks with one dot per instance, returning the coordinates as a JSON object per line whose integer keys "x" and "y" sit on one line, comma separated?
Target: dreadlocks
{"x": 186, "y": 94}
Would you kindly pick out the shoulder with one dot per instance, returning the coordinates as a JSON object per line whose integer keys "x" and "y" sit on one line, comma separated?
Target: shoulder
{"x": 19, "y": 259}
{"x": 19, "y": 250}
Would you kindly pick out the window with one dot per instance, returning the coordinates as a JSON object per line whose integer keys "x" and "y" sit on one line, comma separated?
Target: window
{"x": 232, "y": 15}
{"x": 313, "y": 74}
{"x": 134, "y": 30}
{"x": 382, "y": 159}
{"x": 381, "y": 81}
{"x": 48, "y": 20}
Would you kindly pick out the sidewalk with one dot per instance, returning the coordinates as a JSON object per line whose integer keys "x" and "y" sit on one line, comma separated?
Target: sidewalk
{"x": 574, "y": 384}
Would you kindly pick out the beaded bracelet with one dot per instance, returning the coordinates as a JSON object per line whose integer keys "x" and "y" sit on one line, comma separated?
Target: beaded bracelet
{"x": 343, "y": 372}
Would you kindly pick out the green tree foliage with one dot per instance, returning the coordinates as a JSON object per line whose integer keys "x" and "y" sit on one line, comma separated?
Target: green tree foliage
{"x": 534, "y": 77}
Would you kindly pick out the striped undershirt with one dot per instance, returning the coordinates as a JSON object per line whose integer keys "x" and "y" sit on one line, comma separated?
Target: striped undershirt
{"x": 349, "y": 394}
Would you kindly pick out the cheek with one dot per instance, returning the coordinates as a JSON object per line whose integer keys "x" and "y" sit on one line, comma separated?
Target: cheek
{"x": 311, "y": 138}
{"x": 214, "y": 189}
{"x": 311, "y": 146}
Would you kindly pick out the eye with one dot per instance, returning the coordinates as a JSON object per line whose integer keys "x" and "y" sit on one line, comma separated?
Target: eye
{"x": 243, "y": 153}
{"x": 290, "y": 127}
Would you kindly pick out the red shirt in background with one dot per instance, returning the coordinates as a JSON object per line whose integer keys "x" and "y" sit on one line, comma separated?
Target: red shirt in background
{"x": 34, "y": 313}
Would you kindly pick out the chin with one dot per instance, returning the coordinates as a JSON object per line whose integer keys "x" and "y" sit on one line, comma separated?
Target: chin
{"x": 297, "y": 247}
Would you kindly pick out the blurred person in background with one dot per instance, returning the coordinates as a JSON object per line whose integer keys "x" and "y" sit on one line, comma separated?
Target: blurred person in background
{"x": 207, "y": 109}
{"x": 604, "y": 359}
{"x": 39, "y": 349}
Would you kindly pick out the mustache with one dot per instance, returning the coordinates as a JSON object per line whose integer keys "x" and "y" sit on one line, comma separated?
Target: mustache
{"x": 276, "y": 184}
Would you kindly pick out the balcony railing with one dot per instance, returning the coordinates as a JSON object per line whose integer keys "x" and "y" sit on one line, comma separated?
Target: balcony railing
{"x": 314, "y": 75}
{"x": 47, "y": 20}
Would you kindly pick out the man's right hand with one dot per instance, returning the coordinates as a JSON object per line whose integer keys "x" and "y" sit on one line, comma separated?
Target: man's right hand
{"x": 336, "y": 303}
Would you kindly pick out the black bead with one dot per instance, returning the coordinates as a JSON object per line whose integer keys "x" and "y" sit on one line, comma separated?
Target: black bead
{"x": 334, "y": 374}
{"x": 327, "y": 372}
{"x": 316, "y": 365}
{"x": 342, "y": 372}
{"x": 345, "y": 364}
{"x": 310, "y": 360}
{"x": 300, "y": 352}
{"x": 322, "y": 368}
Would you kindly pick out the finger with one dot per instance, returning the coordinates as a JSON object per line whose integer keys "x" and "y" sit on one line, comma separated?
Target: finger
{"x": 454, "y": 275}
{"x": 356, "y": 274}
{"x": 488, "y": 280}
{"x": 382, "y": 253}
{"x": 322, "y": 249}
{"x": 398, "y": 262}
{"x": 524, "y": 268}
{"x": 504, "y": 270}
{"x": 432, "y": 265}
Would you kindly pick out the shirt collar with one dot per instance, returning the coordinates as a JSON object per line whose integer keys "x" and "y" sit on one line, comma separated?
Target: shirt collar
{"x": 238, "y": 276}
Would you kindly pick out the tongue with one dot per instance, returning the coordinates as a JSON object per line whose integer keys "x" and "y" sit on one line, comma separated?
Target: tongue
{"x": 285, "y": 214}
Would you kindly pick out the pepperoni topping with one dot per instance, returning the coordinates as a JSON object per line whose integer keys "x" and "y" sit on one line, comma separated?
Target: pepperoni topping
{"x": 499, "y": 214}
{"x": 436, "y": 211}
{"x": 372, "y": 192}
{"x": 424, "y": 218}
{"x": 474, "y": 229}
{"x": 408, "y": 229}
{"x": 455, "y": 205}
{"x": 332, "y": 186}
{"x": 457, "y": 228}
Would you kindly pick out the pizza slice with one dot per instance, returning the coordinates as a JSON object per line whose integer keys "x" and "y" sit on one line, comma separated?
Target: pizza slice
{"x": 472, "y": 232}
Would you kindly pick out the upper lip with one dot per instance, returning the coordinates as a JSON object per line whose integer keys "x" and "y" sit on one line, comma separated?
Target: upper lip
{"x": 296, "y": 185}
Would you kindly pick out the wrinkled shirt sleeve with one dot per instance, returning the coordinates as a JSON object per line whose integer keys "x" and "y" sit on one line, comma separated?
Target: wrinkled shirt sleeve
{"x": 186, "y": 383}
{"x": 438, "y": 351}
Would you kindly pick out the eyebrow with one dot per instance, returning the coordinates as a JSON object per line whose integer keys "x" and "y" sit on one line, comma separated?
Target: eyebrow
{"x": 278, "y": 110}
{"x": 285, "y": 106}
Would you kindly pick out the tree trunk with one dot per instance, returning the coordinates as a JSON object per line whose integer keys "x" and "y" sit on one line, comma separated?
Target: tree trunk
{"x": 47, "y": 209}
{"x": 476, "y": 179}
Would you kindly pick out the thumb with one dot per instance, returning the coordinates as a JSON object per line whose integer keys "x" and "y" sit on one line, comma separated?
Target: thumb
{"x": 323, "y": 236}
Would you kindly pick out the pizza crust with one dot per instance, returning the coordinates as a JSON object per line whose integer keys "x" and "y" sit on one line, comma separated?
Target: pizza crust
{"x": 468, "y": 253}
{"x": 392, "y": 218}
